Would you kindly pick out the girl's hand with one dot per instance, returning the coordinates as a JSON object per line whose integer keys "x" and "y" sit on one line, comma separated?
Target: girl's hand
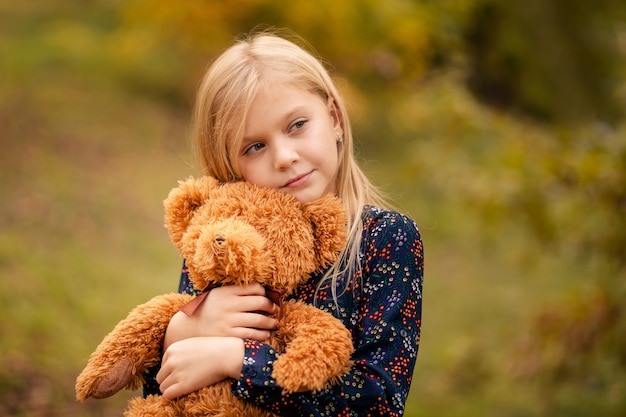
{"x": 229, "y": 311}
{"x": 198, "y": 362}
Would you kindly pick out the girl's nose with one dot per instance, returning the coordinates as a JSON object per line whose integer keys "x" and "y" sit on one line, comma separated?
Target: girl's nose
{"x": 285, "y": 156}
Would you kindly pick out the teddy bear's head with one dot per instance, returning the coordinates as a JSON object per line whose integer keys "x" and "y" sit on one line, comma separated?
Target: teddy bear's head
{"x": 236, "y": 233}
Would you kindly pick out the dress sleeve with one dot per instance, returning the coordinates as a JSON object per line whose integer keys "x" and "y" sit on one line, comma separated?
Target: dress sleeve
{"x": 383, "y": 312}
{"x": 185, "y": 286}
{"x": 390, "y": 314}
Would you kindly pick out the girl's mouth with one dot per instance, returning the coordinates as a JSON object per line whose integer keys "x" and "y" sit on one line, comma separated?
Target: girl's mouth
{"x": 297, "y": 181}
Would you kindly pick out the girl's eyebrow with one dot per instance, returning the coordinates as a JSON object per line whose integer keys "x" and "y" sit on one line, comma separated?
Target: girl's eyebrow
{"x": 292, "y": 113}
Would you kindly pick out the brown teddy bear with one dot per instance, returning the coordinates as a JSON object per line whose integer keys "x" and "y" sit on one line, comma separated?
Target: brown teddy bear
{"x": 234, "y": 233}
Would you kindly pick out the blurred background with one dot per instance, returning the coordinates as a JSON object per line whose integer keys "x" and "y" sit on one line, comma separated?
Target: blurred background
{"x": 497, "y": 125}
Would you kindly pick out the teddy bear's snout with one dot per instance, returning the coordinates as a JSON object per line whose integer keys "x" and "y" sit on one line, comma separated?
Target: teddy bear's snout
{"x": 230, "y": 249}
{"x": 231, "y": 236}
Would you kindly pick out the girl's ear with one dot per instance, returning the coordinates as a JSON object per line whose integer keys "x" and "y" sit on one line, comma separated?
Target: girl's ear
{"x": 335, "y": 116}
{"x": 328, "y": 217}
{"x": 182, "y": 203}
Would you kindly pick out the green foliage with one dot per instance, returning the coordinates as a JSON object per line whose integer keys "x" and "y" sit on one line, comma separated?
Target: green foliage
{"x": 371, "y": 40}
{"x": 543, "y": 210}
{"x": 576, "y": 348}
{"x": 552, "y": 59}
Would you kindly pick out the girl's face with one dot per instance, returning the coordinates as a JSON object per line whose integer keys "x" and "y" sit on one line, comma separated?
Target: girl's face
{"x": 290, "y": 142}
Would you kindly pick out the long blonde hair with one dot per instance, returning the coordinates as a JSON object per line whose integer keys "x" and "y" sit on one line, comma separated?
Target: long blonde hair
{"x": 224, "y": 97}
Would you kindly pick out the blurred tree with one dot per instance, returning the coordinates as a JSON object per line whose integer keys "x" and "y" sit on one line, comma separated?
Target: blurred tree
{"x": 560, "y": 191}
{"x": 556, "y": 60}
{"x": 371, "y": 41}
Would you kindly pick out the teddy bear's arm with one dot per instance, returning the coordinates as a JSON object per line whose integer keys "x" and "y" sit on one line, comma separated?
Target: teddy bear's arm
{"x": 318, "y": 349}
{"x": 133, "y": 346}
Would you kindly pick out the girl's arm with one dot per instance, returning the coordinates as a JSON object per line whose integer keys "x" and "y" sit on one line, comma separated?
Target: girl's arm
{"x": 207, "y": 347}
{"x": 383, "y": 314}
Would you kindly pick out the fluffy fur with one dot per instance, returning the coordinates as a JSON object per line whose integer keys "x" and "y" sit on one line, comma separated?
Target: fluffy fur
{"x": 234, "y": 233}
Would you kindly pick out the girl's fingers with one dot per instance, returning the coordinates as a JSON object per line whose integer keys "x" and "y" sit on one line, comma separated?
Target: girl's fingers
{"x": 256, "y": 303}
{"x": 252, "y": 334}
{"x": 234, "y": 298}
{"x": 198, "y": 362}
{"x": 255, "y": 321}
{"x": 253, "y": 288}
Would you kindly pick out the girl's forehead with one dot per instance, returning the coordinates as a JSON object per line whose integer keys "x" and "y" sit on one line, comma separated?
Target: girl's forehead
{"x": 282, "y": 87}
{"x": 283, "y": 98}
{"x": 271, "y": 80}
{"x": 299, "y": 79}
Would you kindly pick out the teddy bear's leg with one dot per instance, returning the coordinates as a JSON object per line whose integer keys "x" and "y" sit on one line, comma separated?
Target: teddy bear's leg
{"x": 133, "y": 346}
{"x": 214, "y": 401}
{"x": 318, "y": 349}
{"x": 151, "y": 406}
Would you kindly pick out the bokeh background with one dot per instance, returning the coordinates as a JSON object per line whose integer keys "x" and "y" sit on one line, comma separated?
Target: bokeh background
{"x": 497, "y": 125}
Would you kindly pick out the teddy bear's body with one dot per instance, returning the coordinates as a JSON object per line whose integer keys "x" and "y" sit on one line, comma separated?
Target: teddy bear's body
{"x": 233, "y": 233}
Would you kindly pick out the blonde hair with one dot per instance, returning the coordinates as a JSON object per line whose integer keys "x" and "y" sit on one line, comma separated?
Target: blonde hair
{"x": 224, "y": 97}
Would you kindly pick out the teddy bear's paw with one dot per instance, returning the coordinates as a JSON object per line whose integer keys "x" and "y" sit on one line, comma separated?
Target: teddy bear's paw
{"x": 298, "y": 375}
{"x": 151, "y": 406}
{"x": 91, "y": 384}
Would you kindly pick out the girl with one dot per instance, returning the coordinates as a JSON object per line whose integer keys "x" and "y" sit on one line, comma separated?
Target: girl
{"x": 267, "y": 112}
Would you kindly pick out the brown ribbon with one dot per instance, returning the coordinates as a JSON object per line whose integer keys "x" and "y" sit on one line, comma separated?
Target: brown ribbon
{"x": 273, "y": 294}
{"x": 276, "y": 296}
{"x": 193, "y": 305}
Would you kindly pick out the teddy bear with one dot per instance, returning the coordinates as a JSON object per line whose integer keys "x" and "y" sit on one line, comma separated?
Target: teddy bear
{"x": 234, "y": 233}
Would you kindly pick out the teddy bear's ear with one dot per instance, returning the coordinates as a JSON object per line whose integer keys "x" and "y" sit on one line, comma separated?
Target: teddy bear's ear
{"x": 328, "y": 217}
{"x": 183, "y": 201}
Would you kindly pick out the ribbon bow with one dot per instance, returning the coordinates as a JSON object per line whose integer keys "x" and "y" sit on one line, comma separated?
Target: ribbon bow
{"x": 275, "y": 295}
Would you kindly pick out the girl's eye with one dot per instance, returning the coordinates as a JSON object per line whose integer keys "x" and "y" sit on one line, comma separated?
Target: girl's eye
{"x": 254, "y": 148}
{"x": 299, "y": 124}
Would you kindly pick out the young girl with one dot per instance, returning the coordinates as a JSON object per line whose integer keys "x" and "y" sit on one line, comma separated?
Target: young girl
{"x": 267, "y": 112}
